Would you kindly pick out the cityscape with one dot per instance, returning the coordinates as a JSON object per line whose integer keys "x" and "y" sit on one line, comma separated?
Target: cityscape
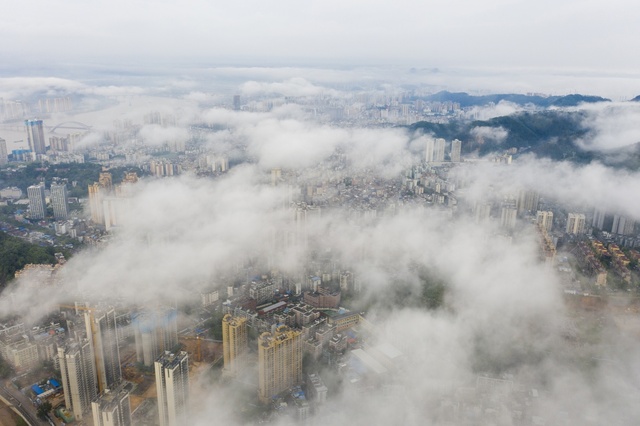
{"x": 341, "y": 215}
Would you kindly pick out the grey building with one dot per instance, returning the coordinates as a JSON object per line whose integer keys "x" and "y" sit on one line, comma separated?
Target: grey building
{"x": 37, "y": 203}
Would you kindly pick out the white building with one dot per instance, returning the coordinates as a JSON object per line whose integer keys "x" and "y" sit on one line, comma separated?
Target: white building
{"x": 456, "y": 150}
{"x": 155, "y": 332}
{"x": 429, "y": 149}
{"x": 60, "y": 201}
{"x": 545, "y": 219}
{"x": 77, "y": 368}
{"x": 508, "y": 217}
{"x": 105, "y": 343}
{"x": 172, "y": 386}
{"x": 3, "y": 152}
{"x": 112, "y": 408}
{"x": 575, "y": 223}
{"x": 37, "y": 203}
{"x": 438, "y": 151}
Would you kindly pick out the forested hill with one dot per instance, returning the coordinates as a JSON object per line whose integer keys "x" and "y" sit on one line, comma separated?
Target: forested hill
{"x": 550, "y": 134}
{"x": 16, "y": 253}
{"x": 467, "y": 100}
{"x": 546, "y": 133}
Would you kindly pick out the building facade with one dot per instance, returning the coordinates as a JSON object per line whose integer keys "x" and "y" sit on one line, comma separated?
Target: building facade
{"x": 575, "y": 223}
{"x": 155, "y": 332}
{"x": 77, "y": 369}
{"x": 172, "y": 386}
{"x": 112, "y": 408}
{"x": 438, "y": 150}
{"x": 102, "y": 327}
{"x": 60, "y": 201}
{"x": 234, "y": 342}
{"x": 279, "y": 361}
{"x": 456, "y": 150}
{"x": 508, "y": 217}
{"x": 545, "y": 219}
{"x": 3, "y": 152}
{"x": 37, "y": 203}
{"x": 35, "y": 136}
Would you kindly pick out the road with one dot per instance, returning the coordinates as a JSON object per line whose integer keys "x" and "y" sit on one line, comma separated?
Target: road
{"x": 22, "y": 404}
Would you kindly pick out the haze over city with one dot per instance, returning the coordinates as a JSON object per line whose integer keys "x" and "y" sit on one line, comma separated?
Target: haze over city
{"x": 361, "y": 213}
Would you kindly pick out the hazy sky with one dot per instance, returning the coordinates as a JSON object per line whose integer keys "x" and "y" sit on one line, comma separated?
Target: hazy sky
{"x": 587, "y": 34}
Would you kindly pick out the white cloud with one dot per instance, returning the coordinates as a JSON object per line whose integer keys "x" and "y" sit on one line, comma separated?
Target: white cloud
{"x": 611, "y": 126}
{"x": 495, "y": 134}
{"x": 154, "y": 134}
{"x": 295, "y": 87}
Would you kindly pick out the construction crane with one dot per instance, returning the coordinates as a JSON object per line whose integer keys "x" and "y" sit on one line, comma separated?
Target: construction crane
{"x": 94, "y": 332}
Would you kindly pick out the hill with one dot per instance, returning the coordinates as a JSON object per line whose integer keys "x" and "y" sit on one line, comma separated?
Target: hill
{"x": 545, "y": 133}
{"x": 467, "y": 100}
{"x": 16, "y": 253}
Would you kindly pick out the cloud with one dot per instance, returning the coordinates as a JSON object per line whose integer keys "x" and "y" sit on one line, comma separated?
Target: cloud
{"x": 495, "y": 134}
{"x": 295, "y": 87}
{"x": 500, "y": 109}
{"x": 89, "y": 140}
{"x": 503, "y": 314}
{"x": 23, "y": 87}
{"x": 154, "y": 134}
{"x": 611, "y": 126}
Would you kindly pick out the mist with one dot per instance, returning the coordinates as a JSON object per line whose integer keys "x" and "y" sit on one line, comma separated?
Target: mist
{"x": 502, "y": 314}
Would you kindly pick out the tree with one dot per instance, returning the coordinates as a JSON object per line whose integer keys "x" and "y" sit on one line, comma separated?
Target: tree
{"x": 43, "y": 410}
{"x": 5, "y": 369}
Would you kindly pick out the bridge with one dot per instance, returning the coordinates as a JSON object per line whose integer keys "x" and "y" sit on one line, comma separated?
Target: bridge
{"x": 72, "y": 125}
{"x": 67, "y": 125}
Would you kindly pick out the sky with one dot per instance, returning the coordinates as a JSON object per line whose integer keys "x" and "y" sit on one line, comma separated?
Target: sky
{"x": 567, "y": 37}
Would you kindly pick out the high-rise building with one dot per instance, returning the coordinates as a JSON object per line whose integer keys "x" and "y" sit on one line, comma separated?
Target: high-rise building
{"x": 78, "y": 372}
{"x": 598, "y": 218}
{"x": 482, "y": 212}
{"x": 429, "y": 150}
{"x": 101, "y": 325}
{"x": 276, "y": 176}
{"x": 622, "y": 225}
{"x": 528, "y": 201}
{"x": 438, "y": 150}
{"x": 35, "y": 135}
{"x": 3, "y": 152}
{"x": 37, "y": 203}
{"x": 575, "y": 223}
{"x": 115, "y": 207}
{"x": 602, "y": 220}
{"x": 279, "y": 361}
{"x": 456, "y": 150}
{"x": 234, "y": 342}
{"x": 60, "y": 201}
{"x": 508, "y": 217}
{"x": 545, "y": 218}
{"x": 112, "y": 408}
{"x": 59, "y": 143}
{"x": 236, "y": 102}
{"x": 95, "y": 203}
{"x": 172, "y": 386}
{"x": 155, "y": 333}
{"x": 106, "y": 181}
{"x": 97, "y": 193}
